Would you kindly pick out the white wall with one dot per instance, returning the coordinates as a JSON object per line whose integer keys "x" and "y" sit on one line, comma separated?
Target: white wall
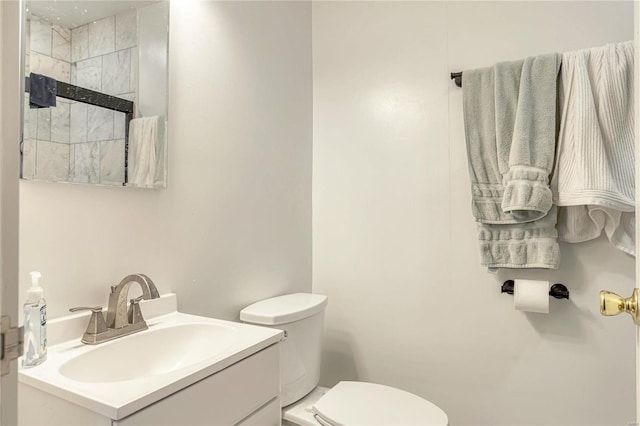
{"x": 234, "y": 224}
{"x": 394, "y": 243}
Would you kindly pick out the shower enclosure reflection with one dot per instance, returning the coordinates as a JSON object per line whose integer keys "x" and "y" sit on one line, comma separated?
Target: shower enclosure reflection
{"x": 107, "y": 63}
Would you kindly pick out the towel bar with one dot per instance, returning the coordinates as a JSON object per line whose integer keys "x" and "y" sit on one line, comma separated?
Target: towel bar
{"x": 559, "y": 291}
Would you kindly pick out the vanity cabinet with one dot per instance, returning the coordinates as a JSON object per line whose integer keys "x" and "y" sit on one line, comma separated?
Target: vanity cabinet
{"x": 232, "y": 396}
{"x": 245, "y": 393}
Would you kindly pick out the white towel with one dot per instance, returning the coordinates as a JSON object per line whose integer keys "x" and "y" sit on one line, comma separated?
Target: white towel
{"x": 146, "y": 154}
{"x": 594, "y": 174}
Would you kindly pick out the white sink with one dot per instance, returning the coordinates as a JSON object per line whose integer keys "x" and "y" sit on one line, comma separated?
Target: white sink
{"x": 157, "y": 351}
{"x": 122, "y": 376}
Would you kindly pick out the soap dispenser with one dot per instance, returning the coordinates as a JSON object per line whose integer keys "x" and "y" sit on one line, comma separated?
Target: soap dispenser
{"x": 35, "y": 324}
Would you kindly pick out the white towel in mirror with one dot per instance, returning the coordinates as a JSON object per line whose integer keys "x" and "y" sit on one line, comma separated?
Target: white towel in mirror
{"x": 146, "y": 166}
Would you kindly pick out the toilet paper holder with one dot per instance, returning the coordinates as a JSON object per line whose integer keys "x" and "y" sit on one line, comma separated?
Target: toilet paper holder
{"x": 558, "y": 291}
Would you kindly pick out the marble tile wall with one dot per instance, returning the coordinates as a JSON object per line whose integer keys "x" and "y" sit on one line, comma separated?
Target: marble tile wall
{"x": 49, "y": 50}
{"x": 112, "y": 162}
{"x": 87, "y": 151}
{"x": 77, "y": 142}
{"x": 104, "y": 55}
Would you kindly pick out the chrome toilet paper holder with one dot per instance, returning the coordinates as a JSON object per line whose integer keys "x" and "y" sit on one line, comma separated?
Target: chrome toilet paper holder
{"x": 558, "y": 291}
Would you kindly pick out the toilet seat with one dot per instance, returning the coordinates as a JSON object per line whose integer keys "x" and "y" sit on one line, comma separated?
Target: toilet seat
{"x": 360, "y": 403}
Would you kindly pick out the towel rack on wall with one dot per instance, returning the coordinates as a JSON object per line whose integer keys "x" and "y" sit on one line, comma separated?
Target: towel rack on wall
{"x": 102, "y": 100}
{"x": 558, "y": 291}
{"x": 457, "y": 78}
{"x": 87, "y": 96}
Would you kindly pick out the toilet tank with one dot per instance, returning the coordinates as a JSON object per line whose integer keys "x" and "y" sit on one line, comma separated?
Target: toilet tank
{"x": 301, "y": 316}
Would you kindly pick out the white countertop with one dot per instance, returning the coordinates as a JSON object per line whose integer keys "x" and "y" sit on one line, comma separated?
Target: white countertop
{"x": 119, "y": 399}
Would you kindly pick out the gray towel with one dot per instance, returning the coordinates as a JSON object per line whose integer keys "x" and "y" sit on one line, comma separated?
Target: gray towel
{"x": 42, "y": 91}
{"x": 497, "y": 115}
{"x": 480, "y": 132}
{"x": 525, "y": 99}
{"x": 523, "y": 245}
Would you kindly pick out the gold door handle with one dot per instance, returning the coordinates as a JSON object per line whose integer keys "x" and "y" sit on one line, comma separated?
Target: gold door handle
{"x": 612, "y": 304}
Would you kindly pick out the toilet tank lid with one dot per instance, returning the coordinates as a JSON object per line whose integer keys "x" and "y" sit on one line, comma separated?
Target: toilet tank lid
{"x": 284, "y": 309}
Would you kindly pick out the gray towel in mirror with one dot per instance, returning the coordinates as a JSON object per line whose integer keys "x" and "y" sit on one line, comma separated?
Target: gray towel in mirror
{"x": 42, "y": 91}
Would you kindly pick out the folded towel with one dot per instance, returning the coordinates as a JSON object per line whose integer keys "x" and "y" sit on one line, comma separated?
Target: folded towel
{"x": 146, "y": 152}
{"x": 42, "y": 91}
{"x": 594, "y": 177}
{"x": 522, "y": 245}
{"x": 509, "y": 238}
{"x": 525, "y": 99}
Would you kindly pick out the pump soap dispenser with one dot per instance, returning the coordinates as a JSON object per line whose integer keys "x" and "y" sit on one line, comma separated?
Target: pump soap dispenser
{"x": 35, "y": 324}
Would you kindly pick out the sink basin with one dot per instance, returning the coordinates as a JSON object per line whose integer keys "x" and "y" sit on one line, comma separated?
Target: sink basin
{"x": 122, "y": 376}
{"x": 150, "y": 353}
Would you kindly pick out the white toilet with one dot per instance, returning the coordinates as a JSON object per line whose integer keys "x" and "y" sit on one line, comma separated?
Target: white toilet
{"x": 301, "y": 316}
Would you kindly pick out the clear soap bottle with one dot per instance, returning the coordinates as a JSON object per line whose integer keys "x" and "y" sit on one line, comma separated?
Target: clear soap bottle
{"x": 35, "y": 324}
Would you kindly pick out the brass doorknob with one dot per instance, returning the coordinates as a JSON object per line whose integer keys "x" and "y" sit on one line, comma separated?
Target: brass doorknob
{"x": 612, "y": 304}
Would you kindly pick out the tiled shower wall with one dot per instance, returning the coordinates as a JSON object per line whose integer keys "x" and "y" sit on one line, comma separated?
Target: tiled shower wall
{"x": 74, "y": 141}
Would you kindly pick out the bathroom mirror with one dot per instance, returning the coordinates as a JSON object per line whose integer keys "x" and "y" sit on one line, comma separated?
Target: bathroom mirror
{"x": 95, "y": 104}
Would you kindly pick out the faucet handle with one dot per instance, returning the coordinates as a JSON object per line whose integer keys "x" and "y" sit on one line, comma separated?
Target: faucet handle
{"x": 96, "y": 322}
{"x": 134, "y": 315}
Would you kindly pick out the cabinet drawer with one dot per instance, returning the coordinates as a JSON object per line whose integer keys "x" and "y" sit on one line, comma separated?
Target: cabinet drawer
{"x": 224, "y": 398}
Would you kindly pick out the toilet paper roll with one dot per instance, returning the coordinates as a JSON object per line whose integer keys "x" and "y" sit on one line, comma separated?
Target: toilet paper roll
{"x": 531, "y": 296}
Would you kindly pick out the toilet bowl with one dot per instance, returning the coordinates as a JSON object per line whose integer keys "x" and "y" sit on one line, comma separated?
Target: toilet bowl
{"x": 301, "y": 316}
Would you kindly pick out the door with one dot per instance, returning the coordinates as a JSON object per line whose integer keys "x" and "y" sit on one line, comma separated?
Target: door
{"x": 10, "y": 133}
{"x": 612, "y": 304}
{"x": 636, "y": 97}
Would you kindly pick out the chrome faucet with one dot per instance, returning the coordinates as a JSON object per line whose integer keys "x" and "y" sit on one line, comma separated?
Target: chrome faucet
{"x": 117, "y": 312}
{"x": 119, "y": 322}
